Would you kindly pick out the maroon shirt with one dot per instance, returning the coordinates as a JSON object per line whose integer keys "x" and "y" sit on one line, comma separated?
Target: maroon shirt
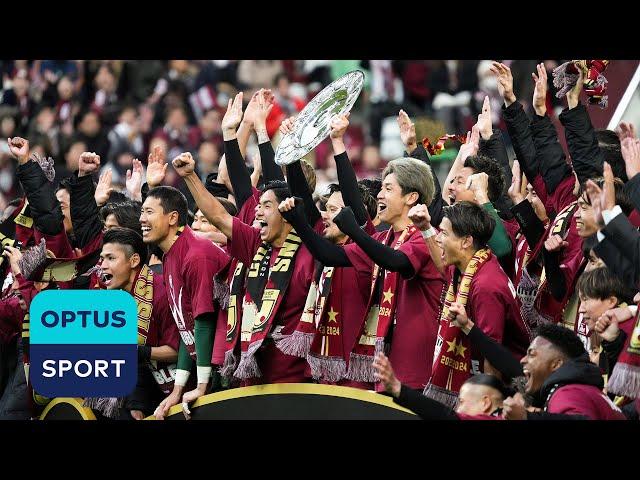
{"x": 493, "y": 307}
{"x": 188, "y": 269}
{"x": 417, "y": 308}
{"x": 277, "y": 367}
{"x": 162, "y": 328}
{"x": 587, "y": 400}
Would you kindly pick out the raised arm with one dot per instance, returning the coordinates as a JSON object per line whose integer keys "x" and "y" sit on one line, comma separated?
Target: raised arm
{"x": 386, "y": 257}
{"x": 586, "y": 157}
{"x": 530, "y": 225}
{"x": 45, "y": 208}
{"x": 517, "y": 122}
{"x": 238, "y": 172}
{"x": 298, "y": 182}
{"x": 270, "y": 169}
{"x": 207, "y": 203}
{"x": 323, "y": 250}
{"x": 470, "y": 147}
{"x": 416, "y": 150}
{"x": 84, "y": 209}
{"x": 346, "y": 175}
{"x": 549, "y": 154}
{"x": 419, "y": 215}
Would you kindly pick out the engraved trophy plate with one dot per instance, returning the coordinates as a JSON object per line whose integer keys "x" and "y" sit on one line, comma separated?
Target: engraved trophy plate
{"x": 312, "y": 124}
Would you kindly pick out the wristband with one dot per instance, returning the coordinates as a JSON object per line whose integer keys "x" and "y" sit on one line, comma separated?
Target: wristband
{"x": 182, "y": 376}
{"x": 429, "y": 233}
{"x": 204, "y": 373}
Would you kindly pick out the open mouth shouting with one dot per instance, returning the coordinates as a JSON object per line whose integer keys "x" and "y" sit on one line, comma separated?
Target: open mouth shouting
{"x": 145, "y": 230}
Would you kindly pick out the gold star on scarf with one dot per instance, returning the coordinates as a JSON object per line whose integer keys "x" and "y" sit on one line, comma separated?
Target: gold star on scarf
{"x": 452, "y": 346}
{"x": 387, "y": 296}
{"x": 460, "y": 350}
{"x": 332, "y": 315}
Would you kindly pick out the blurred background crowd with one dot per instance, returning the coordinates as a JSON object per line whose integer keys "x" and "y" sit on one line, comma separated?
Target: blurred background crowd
{"x": 121, "y": 109}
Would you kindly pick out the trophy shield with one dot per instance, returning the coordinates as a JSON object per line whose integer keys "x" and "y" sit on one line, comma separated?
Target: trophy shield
{"x": 312, "y": 124}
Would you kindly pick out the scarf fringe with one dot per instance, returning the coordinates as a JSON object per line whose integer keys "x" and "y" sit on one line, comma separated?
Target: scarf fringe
{"x": 221, "y": 292}
{"x": 360, "y": 368}
{"x": 625, "y": 380}
{"x": 229, "y": 365}
{"x": 248, "y": 366}
{"x": 33, "y": 258}
{"x": 108, "y": 406}
{"x": 330, "y": 369}
{"x": 563, "y": 80}
{"x": 442, "y": 395}
{"x": 46, "y": 164}
{"x": 297, "y": 344}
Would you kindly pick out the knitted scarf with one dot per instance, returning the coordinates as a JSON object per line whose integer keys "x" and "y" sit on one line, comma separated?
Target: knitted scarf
{"x": 380, "y": 315}
{"x": 234, "y": 314}
{"x": 326, "y": 356}
{"x": 265, "y": 290}
{"x": 452, "y": 367}
{"x": 625, "y": 378}
{"x": 595, "y": 84}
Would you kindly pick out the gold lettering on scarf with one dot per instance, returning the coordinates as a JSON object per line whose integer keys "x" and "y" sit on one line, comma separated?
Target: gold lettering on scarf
{"x": 269, "y": 299}
{"x": 257, "y": 260}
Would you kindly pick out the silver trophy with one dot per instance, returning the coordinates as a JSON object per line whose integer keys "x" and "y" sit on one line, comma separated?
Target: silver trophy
{"x": 312, "y": 124}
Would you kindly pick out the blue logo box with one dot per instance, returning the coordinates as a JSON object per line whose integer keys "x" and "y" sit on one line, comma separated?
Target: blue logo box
{"x": 83, "y": 343}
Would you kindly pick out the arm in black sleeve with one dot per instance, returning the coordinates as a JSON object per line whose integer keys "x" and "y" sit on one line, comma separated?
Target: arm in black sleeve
{"x": 270, "y": 169}
{"x": 323, "y": 250}
{"x": 617, "y": 261}
{"x": 436, "y": 207}
{"x": 45, "y": 208}
{"x": 349, "y": 187}
{"x": 549, "y": 154}
{"x": 84, "y": 210}
{"x": 425, "y": 407}
{"x": 495, "y": 148}
{"x": 554, "y": 274}
{"x": 239, "y": 175}
{"x": 613, "y": 349}
{"x": 498, "y": 356}
{"x": 586, "y": 157}
{"x": 631, "y": 411}
{"x": 300, "y": 188}
{"x": 521, "y": 138}
{"x": 386, "y": 257}
{"x": 632, "y": 189}
{"x": 531, "y": 226}
{"x": 625, "y": 237}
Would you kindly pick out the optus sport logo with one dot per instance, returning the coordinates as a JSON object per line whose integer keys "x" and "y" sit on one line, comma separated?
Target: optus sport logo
{"x": 83, "y": 343}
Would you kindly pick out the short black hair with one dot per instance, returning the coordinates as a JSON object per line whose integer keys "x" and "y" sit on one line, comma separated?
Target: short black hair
{"x": 171, "y": 200}
{"x": 280, "y": 189}
{"x": 492, "y": 381}
{"x": 127, "y": 214}
{"x": 622, "y": 198}
{"x": 601, "y": 283}
{"x": 370, "y": 203}
{"x": 373, "y": 184}
{"x": 467, "y": 218}
{"x": 130, "y": 239}
{"x": 609, "y": 144}
{"x": 565, "y": 340}
{"x": 484, "y": 164}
